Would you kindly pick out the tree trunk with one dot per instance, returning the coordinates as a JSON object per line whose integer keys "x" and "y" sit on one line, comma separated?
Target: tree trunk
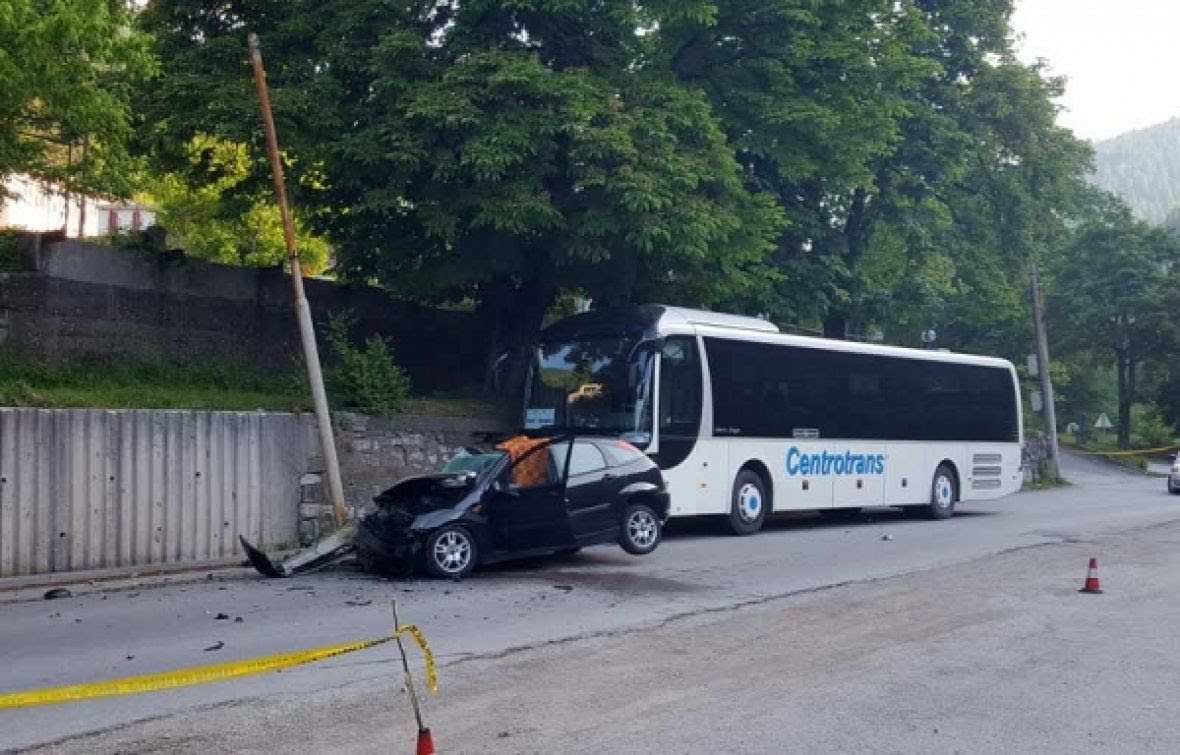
{"x": 836, "y": 326}
{"x": 516, "y": 310}
{"x": 1126, "y": 381}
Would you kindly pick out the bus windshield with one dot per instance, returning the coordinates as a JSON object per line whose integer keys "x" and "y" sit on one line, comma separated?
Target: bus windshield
{"x": 602, "y": 384}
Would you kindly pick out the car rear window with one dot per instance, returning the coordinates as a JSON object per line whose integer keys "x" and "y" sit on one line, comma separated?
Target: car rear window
{"x": 621, "y": 453}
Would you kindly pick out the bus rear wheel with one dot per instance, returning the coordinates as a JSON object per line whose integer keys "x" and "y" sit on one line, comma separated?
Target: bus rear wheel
{"x": 748, "y": 507}
{"x": 943, "y": 493}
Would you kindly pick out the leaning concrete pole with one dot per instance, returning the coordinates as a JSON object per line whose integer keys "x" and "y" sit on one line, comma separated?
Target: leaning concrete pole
{"x": 306, "y": 330}
{"x": 1050, "y": 411}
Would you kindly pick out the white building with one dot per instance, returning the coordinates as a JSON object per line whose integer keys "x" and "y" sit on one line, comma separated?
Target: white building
{"x": 32, "y": 205}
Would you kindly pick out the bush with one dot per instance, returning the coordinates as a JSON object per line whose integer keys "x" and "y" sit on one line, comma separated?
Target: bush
{"x": 10, "y": 257}
{"x": 1149, "y": 429}
{"x": 366, "y": 379}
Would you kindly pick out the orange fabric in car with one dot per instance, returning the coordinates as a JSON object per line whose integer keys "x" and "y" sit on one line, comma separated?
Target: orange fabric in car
{"x": 535, "y": 469}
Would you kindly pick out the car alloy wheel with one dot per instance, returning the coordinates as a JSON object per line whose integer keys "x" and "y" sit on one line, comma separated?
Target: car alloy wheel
{"x": 450, "y": 552}
{"x": 641, "y": 530}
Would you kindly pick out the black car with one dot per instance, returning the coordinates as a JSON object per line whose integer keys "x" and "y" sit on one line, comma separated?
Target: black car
{"x": 560, "y": 495}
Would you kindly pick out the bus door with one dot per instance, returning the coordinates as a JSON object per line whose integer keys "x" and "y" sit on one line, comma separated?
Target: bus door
{"x": 695, "y": 468}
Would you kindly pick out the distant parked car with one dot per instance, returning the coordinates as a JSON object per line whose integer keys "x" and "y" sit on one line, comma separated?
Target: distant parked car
{"x": 551, "y": 495}
{"x": 1174, "y": 477}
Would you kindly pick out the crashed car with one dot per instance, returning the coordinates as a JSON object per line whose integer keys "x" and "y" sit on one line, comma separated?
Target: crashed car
{"x": 528, "y": 496}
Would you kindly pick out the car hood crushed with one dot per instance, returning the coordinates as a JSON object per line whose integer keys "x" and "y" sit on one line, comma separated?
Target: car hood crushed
{"x": 387, "y": 540}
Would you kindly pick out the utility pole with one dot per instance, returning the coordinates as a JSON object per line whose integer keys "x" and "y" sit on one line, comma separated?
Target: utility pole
{"x": 306, "y": 330}
{"x": 1050, "y": 411}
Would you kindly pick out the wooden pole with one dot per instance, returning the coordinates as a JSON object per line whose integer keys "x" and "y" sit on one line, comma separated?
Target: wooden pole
{"x": 1049, "y": 411}
{"x": 303, "y": 311}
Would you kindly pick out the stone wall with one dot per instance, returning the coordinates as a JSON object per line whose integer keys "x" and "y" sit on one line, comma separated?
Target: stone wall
{"x": 1035, "y": 457}
{"x": 74, "y": 298}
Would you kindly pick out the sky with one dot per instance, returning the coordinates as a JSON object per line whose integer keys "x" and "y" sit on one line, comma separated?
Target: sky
{"x": 1121, "y": 59}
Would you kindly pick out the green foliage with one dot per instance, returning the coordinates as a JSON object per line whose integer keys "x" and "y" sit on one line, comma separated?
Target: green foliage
{"x": 867, "y": 164}
{"x": 209, "y": 218}
{"x": 68, "y": 69}
{"x": 500, "y": 152}
{"x": 1151, "y": 429}
{"x": 365, "y": 378}
{"x": 10, "y": 257}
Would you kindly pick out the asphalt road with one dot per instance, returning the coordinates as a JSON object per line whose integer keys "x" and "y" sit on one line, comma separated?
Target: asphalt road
{"x": 739, "y": 644}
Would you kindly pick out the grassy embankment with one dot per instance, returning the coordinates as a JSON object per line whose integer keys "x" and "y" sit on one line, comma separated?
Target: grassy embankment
{"x": 128, "y": 384}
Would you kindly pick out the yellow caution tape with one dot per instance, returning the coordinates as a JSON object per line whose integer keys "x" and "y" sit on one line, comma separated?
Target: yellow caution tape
{"x": 1132, "y": 452}
{"x": 428, "y": 657}
{"x": 132, "y": 685}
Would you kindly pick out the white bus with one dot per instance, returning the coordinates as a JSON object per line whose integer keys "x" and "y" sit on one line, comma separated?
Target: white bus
{"x": 745, "y": 421}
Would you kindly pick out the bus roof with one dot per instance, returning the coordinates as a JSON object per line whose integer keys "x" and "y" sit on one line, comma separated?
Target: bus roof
{"x": 716, "y": 320}
{"x": 654, "y": 319}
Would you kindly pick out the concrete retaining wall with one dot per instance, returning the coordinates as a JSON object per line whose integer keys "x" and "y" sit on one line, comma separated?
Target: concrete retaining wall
{"x": 92, "y": 489}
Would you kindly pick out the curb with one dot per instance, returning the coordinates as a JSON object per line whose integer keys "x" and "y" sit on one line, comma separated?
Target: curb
{"x": 33, "y": 587}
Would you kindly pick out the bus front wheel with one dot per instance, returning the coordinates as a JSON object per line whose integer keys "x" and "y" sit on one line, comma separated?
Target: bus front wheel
{"x": 750, "y": 502}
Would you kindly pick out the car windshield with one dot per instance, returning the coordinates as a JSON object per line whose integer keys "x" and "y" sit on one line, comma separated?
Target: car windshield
{"x": 601, "y": 384}
{"x": 476, "y": 463}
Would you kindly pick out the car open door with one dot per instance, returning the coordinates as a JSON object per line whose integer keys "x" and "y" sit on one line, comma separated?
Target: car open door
{"x": 527, "y": 504}
{"x": 590, "y": 492}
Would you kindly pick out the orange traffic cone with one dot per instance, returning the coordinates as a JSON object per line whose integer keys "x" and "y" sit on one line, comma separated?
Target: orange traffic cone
{"x": 425, "y": 742}
{"x": 1091, "y": 585}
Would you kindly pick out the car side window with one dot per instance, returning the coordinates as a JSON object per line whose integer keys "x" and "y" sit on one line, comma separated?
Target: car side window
{"x": 586, "y": 458}
{"x": 621, "y": 454}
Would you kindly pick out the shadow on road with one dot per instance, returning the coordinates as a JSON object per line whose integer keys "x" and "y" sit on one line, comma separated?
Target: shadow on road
{"x": 714, "y": 527}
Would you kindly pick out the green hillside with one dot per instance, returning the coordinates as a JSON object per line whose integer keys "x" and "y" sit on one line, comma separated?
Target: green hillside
{"x": 1143, "y": 167}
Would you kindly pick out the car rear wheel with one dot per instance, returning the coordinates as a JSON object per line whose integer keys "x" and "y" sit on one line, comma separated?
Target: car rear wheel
{"x": 450, "y": 552}
{"x": 748, "y": 507}
{"x": 641, "y": 529}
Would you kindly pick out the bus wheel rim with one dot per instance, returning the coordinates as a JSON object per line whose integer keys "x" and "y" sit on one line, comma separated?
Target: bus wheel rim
{"x": 749, "y": 502}
{"x": 943, "y": 491}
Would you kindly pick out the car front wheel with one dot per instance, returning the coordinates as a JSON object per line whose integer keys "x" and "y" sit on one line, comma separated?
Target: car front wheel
{"x": 450, "y": 552}
{"x": 641, "y": 529}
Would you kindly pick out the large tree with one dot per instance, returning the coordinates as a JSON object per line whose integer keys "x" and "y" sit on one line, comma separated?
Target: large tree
{"x": 918, "y": 161}
{"x": 1114, "y": 298}
{"x": 67, "y": 70}
{"x": 499, "y": 152}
